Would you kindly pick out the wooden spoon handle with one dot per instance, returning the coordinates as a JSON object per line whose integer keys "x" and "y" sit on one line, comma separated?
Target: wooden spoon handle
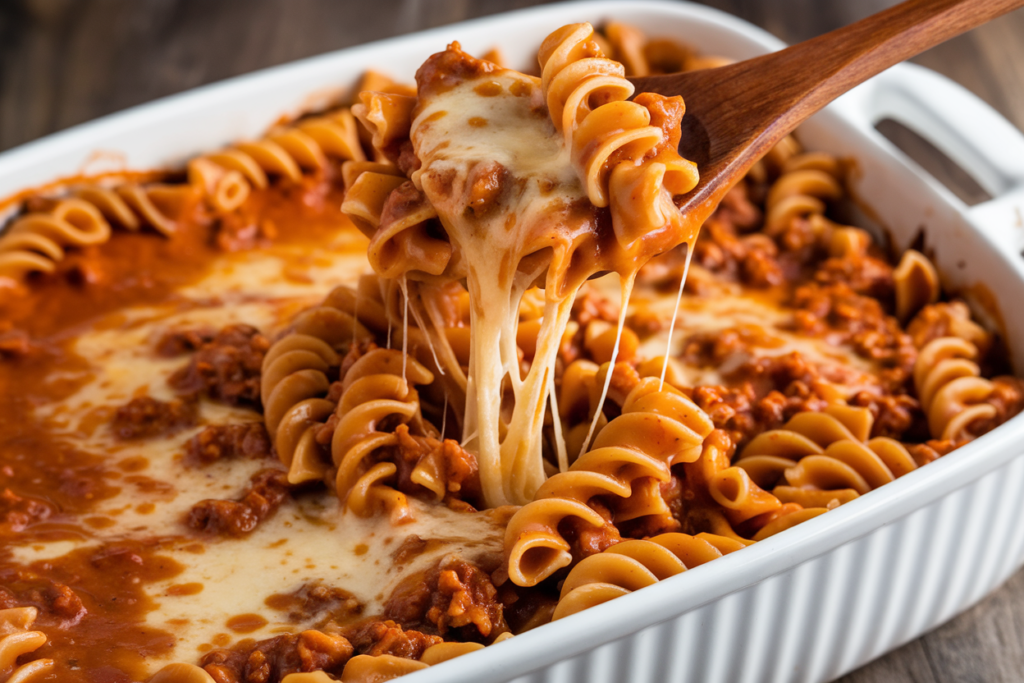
{"x": 813, "y": 73}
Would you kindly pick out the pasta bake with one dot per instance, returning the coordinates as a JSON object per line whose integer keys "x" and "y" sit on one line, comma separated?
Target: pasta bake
{"x": 410, "y": 376}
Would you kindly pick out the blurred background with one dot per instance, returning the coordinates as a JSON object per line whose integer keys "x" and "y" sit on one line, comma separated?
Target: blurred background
{"x": 63, "y": 62}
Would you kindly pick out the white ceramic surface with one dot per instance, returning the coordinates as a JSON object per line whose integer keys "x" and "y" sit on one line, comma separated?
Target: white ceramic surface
{"x": 818, "y": 600}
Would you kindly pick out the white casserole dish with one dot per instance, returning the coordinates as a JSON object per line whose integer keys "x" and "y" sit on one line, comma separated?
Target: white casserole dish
{"x": 820, "y": 599}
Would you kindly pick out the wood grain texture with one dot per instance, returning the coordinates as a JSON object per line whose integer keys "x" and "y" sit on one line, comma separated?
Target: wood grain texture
{"x": 63, "y": 62}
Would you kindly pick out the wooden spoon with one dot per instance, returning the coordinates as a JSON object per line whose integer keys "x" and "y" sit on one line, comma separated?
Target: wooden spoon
{"x": 736, "y": 113}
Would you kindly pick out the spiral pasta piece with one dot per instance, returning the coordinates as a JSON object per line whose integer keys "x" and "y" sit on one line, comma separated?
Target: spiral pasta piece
{"x": 368, "y": 184}
{"x": 951, "y": 389}
{"x": 396, "y": 217}
{"x": 386, "y": 207}
{"x": 807, "y": 182}
{"x": 376, "y": 389}
{"x": 417, "y": 317}
{"x": 624, "y": 152}
{"x": 916, "y": 283}
{"x": 577, "y": 403}
{"x": 297, "y": 373}
{"x": 378, "y": 394}
{"x": 822, "y": 459}
{"x": 625, "y": 44}
{"x": 226, "y": 177}
{"x": 388, "y": 116}
{"x": 631, "y": 565}
{"x": 299, "y": 383}
{"x": 37, "y": 241}
{"x": 155, "y": 204}
{"x": 16, "y": 640}
{"x": 86, "y": 216}
{"x": 630, "y": 458}
{"x": 580, "y": 397}
{"x": 730, "y": 487}
{"x": 948, "y": 319}
{"x": 643, "y": 56}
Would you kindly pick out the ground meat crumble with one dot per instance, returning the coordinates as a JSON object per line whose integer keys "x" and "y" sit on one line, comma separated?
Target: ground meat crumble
{"x": 270, "y": 660}
{"x": 227, "y": 367}
{"x": 788, "y": 385}
{"x": 265, "y": 494}
{"x": 465, "y": 596}
{"x": 220, "y": 442}
{"x": 316, "y": 601}
{"x": 20, "y": 511}
{"x": 178, "y": 342}
{"x": 462, "y": 476}
{"x": 455, "y": 599}
{"x": 387, "y": 637}
{"x": 53, "y": 598}
{"x": 145, "y": 417}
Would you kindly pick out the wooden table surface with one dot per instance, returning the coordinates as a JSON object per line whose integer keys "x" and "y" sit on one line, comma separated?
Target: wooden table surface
{"x": 63, "y": 62}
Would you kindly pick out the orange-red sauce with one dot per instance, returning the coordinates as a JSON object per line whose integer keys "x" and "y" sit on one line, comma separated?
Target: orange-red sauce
{"x": 92, "y": 601}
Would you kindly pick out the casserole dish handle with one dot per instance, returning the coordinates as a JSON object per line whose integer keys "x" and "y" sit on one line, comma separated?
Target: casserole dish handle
{"x": 970, "y": 132}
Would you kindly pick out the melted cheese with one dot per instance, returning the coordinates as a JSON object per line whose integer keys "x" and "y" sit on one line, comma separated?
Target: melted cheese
{"x": 499, "y": 120}
{"x": 459, "y": 128}
{"x": 308, "y": 539}
{"x": 728, "y": 306}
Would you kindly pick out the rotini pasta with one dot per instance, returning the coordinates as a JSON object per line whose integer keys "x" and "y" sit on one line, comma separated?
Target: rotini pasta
{"x": 377, "y": 389}
{"x": 295, "y": 382}
{"x": 574, "y": 76}
{"x": 16, "y": 640}
{"x": 642, "y": 56}
{"x": 225, "y": 178}
{"x": 807, "y": 182}
{"x": 951, "y": 389}
{"x": 388, "y": 208}
{"x": 729, "y": 486}
{"x": 631, "y": 456}
{"x": 916, "y": 284}
{"x": 635, "y": 564}
{"x": 318, "y": 437}
{"x": 818, "y": 459}
{"x": 38, "y": 240}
